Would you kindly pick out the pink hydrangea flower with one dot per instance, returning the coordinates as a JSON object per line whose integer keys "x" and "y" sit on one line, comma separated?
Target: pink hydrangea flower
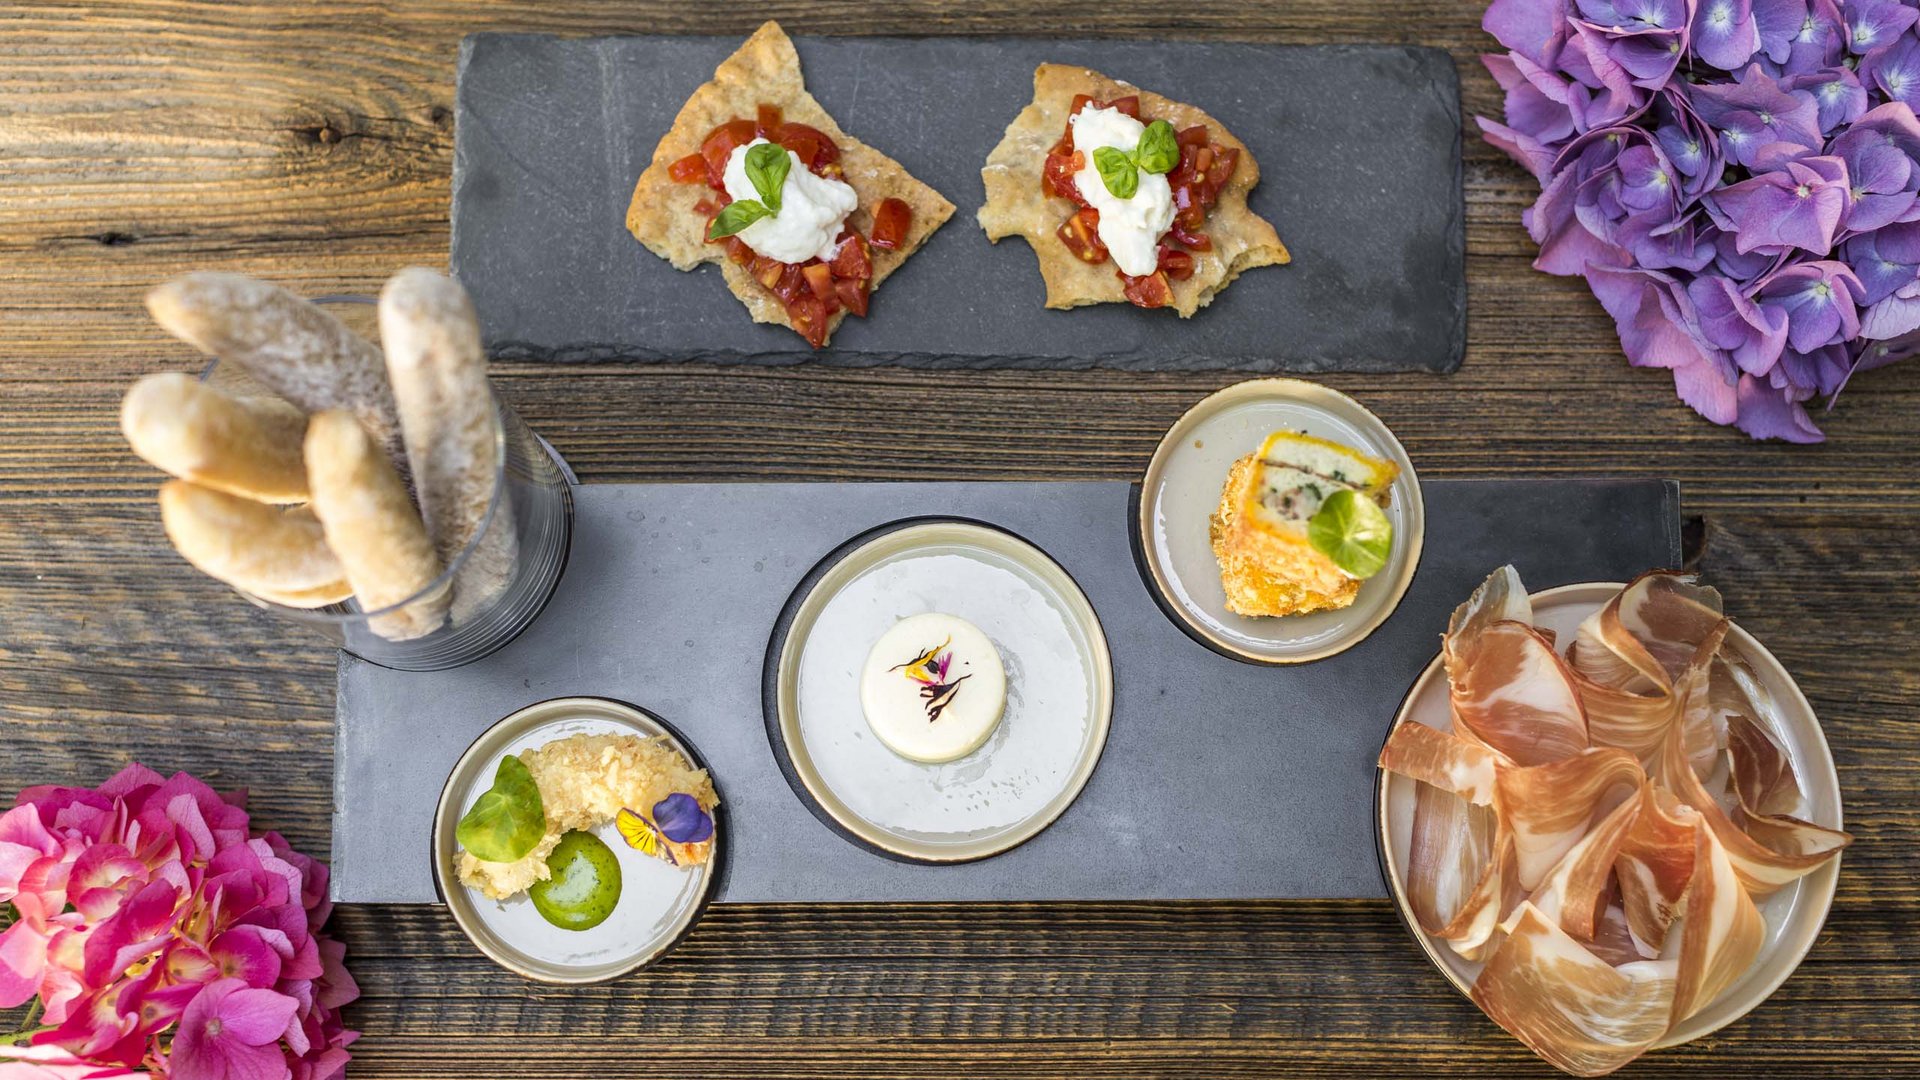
{"x": 163, "y": 938}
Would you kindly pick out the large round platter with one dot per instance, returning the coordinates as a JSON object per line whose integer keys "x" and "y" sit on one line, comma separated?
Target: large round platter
{"x": 658, "y": 903}
{"x": 1058, "y": 705}
{"x": 1182, "y": 487}
{"x": 1793, "y": 915}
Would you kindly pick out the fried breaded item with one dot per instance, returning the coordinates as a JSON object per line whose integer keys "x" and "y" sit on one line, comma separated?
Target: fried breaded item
{"x": 1017, "y": 205}
{"x": 1267, "y": 572}
{"x": 766, "y": 70}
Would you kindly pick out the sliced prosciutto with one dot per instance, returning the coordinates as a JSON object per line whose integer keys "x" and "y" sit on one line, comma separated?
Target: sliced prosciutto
{"x": 1595, "y": 830}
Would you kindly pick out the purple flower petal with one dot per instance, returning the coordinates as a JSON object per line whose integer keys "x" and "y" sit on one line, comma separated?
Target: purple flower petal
{"x": 1874, "y": 23}
{"x": 1724, "y": 33}
{"x": 1894, "y": 70}
{"x": 1796, "y": 207}
{"x": 1536, "y": 100}
{"x": 1533, "y": 28}
{"x": 1753, "y": 336}
{"x": 1819, "y": 42}
{"x": 681, "y": 820}
{"x": 1838, "y": 96}
{"x": 1766, "y": 413}
{"x": 1778, "y": 22}
{"x": 1757, "y": 111}
{"x": 1821, "y": 300}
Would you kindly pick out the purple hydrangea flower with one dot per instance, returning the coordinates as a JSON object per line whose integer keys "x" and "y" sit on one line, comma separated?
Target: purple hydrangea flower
{"x": 1724, "y": 33}
{"x": 1882, "y": 152}
{"x": 1752, "y": 336}
{"x": 1838, "y": 96}
{"x": 1778, "y": 22}
{"x": 1756, "y": 112}
{"x": 1646, "y": 37}
{"x": 1821, "y": 300}
{"x": 1537, "y": 99}
{"x": 1800, "y": 205}
{"x": 1894, "y": 70}
{"x": 1820, "y": 41}
{"x": 1872, "y": 24}
{"x": 1886, "y": 261}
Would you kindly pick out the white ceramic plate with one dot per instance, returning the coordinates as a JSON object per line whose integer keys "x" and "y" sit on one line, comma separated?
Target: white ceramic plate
{"x": 1182, "y": 488}
{"x": 1059, "y": 691}
{"x": 658, "y": 903}
{"x": 1793, "y": 915}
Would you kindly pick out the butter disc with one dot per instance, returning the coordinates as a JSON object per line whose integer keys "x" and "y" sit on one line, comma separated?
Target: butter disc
{"x": 933, "y": 688}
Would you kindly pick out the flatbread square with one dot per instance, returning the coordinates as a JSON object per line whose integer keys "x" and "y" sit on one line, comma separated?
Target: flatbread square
{"x": 766, "y": 70}
{"x": 1017, "y": 204}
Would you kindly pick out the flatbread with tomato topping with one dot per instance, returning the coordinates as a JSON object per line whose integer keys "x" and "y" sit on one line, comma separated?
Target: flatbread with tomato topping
{"x": 766, "y": 71}
{"x": 1019, "y": 205}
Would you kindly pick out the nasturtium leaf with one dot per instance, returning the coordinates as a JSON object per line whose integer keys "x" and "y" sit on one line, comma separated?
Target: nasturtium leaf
{"x": 1353, "y": 531}
{"x": 1117, "y": 171}
{"x": 1159, "y": 148}
{"x": 508, "y": 820}
{"x": 738, "y": 214}
{"x": 767, "y": 166}
{"x": 681, "y": 820}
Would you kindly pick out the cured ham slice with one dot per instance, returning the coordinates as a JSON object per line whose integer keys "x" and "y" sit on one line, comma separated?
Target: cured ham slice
{"x": 1514, "y": 693}
{"x": 1548, "y": 808}
{"x": 1595, "y": 831}
{"x": 1583, "y": 1015}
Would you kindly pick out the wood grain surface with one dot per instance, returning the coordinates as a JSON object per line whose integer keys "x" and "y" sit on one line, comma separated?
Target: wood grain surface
{"x": 312, "y": 144}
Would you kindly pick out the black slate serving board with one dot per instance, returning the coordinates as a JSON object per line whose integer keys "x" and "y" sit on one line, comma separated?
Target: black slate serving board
{"x": 1220, "y": 780}
{"x": 1358, "y": 145}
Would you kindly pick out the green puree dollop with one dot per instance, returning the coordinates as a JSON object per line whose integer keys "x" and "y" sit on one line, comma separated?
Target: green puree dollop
{"x": 585, "y": 883}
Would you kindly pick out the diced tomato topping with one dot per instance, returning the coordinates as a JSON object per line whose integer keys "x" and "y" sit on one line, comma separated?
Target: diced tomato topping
{"x": 709, "y": 206}
{"x": 767, "y": 271}
{"x": 808, "y": 314}
{"x": 688, "y": 169}
{"x": 1224, "y": 159}
{"x": 1081, "y": 234}
{"x": 853, "y": 294}
{"x": 1193, "y": 136}
{"x": 738, "y": 251}
{"x": 810, "y": 144}
{"x": 1175, "y": 263}
{"x": 1129, "y": 104}
{"x": 1198, "y": 241}
{"x": 853, "y": 262}
{"x": 819, "y": 277}
{"x": 891, "y": 220}
{"x": 1151, "y": 291}
{"x": 767, "y": 120}
{"x": 1057, "y": 177}
{"x": 720, "y": 144}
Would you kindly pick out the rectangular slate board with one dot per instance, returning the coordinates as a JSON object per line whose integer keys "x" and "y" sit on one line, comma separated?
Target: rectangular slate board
{"x": 1359, "y": 152}
{"x": 1220, "y": 780}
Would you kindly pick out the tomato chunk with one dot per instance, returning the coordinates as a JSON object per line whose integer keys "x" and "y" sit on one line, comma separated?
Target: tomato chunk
{"x": 810, "y": 144}
{"x": 1057, "y": 177}
{"x": 1151, "y": 291}
{"x": 808, "y": 314}
{"x": 1177, "y": 264}
{"x": 853, "y": 294}
{"x": 1193, "y": 136}
{"x": 853, "y": 261}
{"x": 1081, "y": 234}
{"x": 720, "y": 144}
{"x": 688, "y": 169}
{"x": 1224, "y": 159}
{"x": 738, "y": 251}
{"x": 891, "y": 220}
{"x": 1198, "y": 241}
{"x": 819, "y": 278}
{"x": 767, "y": 121}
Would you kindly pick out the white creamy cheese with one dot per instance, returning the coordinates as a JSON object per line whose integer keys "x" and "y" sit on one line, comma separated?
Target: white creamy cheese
{"x": 813, "y": 210}
{"x": 933, "y": 688}
{"x": 1131, "y": 228}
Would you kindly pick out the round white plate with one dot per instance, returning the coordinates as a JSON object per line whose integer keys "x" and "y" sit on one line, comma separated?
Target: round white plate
{"x": 1793, "y": 915}
{"x": 1059, "y": 691}
{"x": 1182, "y": 488}
{"x": 658, "y": 903}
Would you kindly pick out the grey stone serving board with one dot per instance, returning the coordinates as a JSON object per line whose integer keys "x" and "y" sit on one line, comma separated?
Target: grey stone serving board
{"x": 1358, "y": 146}
{"x": 1220, "y": 780}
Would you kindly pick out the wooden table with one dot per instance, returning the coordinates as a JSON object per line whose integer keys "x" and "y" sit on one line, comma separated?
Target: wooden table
{"x": 312, "y": 144}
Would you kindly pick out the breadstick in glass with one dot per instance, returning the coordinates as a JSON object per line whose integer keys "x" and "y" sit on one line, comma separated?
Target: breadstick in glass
{"x": 243, "y": 446}
{"x": 372, "y": 527}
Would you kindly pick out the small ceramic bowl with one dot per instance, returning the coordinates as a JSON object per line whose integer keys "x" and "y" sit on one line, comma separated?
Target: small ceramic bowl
{"x": 659, "y": 904}
{"x": 1059, "y": 691}
{"x": 1182, "y": 488}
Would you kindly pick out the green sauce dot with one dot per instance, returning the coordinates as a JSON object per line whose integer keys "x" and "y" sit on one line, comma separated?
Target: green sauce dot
{"x": 585, "y": 884}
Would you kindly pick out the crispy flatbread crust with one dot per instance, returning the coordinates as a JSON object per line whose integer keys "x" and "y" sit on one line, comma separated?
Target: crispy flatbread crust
{"x": 1018, "y": 206}
{"x": 766, "y": 69}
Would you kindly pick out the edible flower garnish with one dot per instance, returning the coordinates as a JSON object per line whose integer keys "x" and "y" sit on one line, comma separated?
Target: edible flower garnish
{"x": 508, "y": 820}
{"x": 1158, "y": 152}
{"x": 1353, "y": 531}
{"x": 767, "y": 166}
{"x": 929, "y": 669}
{"x": 676, "y": 819}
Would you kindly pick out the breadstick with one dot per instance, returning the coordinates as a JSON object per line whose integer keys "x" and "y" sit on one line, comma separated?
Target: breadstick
{"x": 372, "y": 527}
{"x": 242, "y": 446}
{"x": 254, "y": 547}
{"x": 293, "y": 347}
{"x": 439, "y": 375}
{"x": 311, "y": 598}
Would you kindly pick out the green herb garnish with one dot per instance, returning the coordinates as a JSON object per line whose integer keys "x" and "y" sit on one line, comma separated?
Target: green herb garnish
{"x": 508, "y": 820}
{"x": 1353, "y": 531}
{"x": 1158, "y": 152}
{"x": 767, "y": 167}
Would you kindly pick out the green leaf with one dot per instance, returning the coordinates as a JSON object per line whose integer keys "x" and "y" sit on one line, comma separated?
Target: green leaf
{"x": 508, "y": 820}
{"x": 1353, "y": 531}
{"x": 738, "y": 214}
{"x": 1159, "y": 149}
{"x": 767, "y": 166}
{"x": 1117, "y": 171}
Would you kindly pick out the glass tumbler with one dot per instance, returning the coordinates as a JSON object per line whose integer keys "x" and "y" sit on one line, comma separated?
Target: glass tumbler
{"x": 493, "y": 589}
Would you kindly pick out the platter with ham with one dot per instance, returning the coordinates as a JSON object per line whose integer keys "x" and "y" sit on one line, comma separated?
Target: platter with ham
{"x": 1608, "y": 816}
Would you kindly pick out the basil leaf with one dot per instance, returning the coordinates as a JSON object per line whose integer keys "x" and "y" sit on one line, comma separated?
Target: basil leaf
{"x": 767, "y": 167}
{"x": 508, "y": 820}
{"x": 1159, "y": 149}
{"x": 738, "y": 214}
{"x": 1117, "y": 171}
